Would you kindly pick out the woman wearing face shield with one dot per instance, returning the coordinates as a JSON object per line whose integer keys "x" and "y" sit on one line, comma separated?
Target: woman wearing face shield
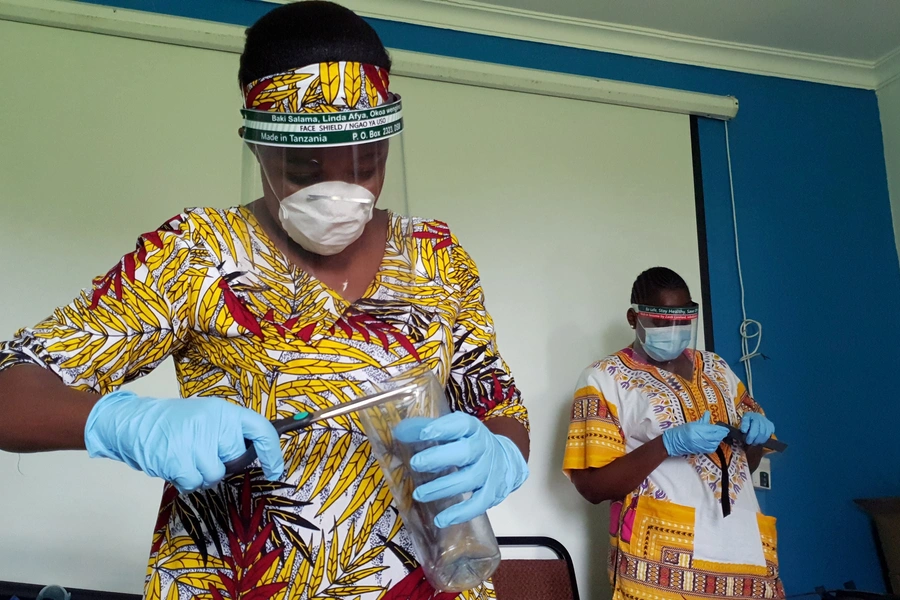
{"x": 684, "y": 519}
{"x": 297, "y": 300}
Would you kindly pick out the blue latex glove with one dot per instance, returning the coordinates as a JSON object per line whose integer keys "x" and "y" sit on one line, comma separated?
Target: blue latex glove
{"x": 698, "y": 437}
{"x": 757, "y": 429}
{"x": 490, "y": 466}
{"x": 184, "y": 441}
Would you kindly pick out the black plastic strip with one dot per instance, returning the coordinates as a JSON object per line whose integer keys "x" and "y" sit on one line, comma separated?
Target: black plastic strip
{"x": 726, "y": 495}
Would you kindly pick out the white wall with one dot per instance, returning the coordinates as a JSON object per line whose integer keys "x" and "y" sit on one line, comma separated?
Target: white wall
{"x": 561, "y": 203}
{"x": 889, "y": 107}
{"x": 83, "y": 171}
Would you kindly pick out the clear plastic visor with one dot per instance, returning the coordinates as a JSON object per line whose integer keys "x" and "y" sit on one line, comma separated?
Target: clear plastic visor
{"x": 666, "y": 336}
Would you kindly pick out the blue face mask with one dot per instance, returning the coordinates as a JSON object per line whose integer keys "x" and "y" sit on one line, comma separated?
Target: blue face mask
{"x": 667, "y": 343}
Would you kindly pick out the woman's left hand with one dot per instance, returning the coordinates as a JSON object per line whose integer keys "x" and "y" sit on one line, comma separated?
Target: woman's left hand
{"x": 490, "y": 466}
{"x": 757, "y": 429}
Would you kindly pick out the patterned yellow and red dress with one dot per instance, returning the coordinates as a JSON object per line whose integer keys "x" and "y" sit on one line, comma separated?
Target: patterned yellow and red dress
{"x": 693, "y": 528}
{"x": 210, "y": 290}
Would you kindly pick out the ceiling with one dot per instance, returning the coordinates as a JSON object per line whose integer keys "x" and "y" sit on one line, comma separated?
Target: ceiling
{"x": 865, "y": 30}
{"x": 853, "y": 43}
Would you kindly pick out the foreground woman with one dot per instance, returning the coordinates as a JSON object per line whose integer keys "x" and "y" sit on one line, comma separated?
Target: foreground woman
{"x": 297, "y": 301}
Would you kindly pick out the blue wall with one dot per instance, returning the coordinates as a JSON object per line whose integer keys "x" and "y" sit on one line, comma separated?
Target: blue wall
{"x": 819, "y": 261}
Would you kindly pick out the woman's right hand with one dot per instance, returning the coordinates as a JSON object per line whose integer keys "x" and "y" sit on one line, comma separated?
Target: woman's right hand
{"x": 698, "y": 437}
{"x": 184, "y": 441}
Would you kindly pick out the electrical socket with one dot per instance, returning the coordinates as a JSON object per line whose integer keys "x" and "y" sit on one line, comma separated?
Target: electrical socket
{"x": 762, "y": 477}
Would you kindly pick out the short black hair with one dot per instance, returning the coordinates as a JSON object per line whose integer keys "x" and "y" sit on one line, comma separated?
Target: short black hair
{"x": 304, "y": 33}
{"x": 652, "y": 281}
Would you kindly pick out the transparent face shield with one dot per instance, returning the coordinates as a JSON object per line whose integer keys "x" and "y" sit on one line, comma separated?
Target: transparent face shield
{"x": 327, "y": 173}
{"x": 666, "y": 336}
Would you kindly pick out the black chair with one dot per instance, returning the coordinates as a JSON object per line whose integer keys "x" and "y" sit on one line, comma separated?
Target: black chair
{"x": 27, "y": 591}
{"x": 538, "y": 578}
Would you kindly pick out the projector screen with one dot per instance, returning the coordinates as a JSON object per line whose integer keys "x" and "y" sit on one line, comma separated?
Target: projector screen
{"x": 561, "y": 203}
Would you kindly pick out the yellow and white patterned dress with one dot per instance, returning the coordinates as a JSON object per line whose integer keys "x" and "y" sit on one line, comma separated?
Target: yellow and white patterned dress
{"x": 693, "y": 528}
{"x": 210, "y": 289}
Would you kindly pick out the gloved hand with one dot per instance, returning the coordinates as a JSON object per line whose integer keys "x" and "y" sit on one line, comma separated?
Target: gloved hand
{"x": 757, "y": 429}
{"x": 697, "y": 437}
{"x": 184, "y": 441}
{"x": 491, "y": 466}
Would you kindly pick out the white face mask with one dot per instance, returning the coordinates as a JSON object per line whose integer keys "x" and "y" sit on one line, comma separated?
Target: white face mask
{"x": 327, "y": 217}
{"x": 667, "y": 343}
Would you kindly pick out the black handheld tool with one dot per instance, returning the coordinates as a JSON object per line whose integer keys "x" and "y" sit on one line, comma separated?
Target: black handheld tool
{"x": 737, "y": 435}
{"x": 304, "y": 419}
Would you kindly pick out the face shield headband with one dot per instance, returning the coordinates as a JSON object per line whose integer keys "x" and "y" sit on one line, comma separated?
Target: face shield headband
{"x": 322, "y": 105}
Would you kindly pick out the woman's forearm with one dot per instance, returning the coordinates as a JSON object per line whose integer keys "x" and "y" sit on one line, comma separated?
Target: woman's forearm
{"x": 39, "y": 413}
{"x": 622, "y": 476}
{"x": 509, "y": 427}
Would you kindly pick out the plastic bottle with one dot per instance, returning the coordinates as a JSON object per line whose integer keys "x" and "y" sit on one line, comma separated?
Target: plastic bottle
{"x": 456, "y": 558}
